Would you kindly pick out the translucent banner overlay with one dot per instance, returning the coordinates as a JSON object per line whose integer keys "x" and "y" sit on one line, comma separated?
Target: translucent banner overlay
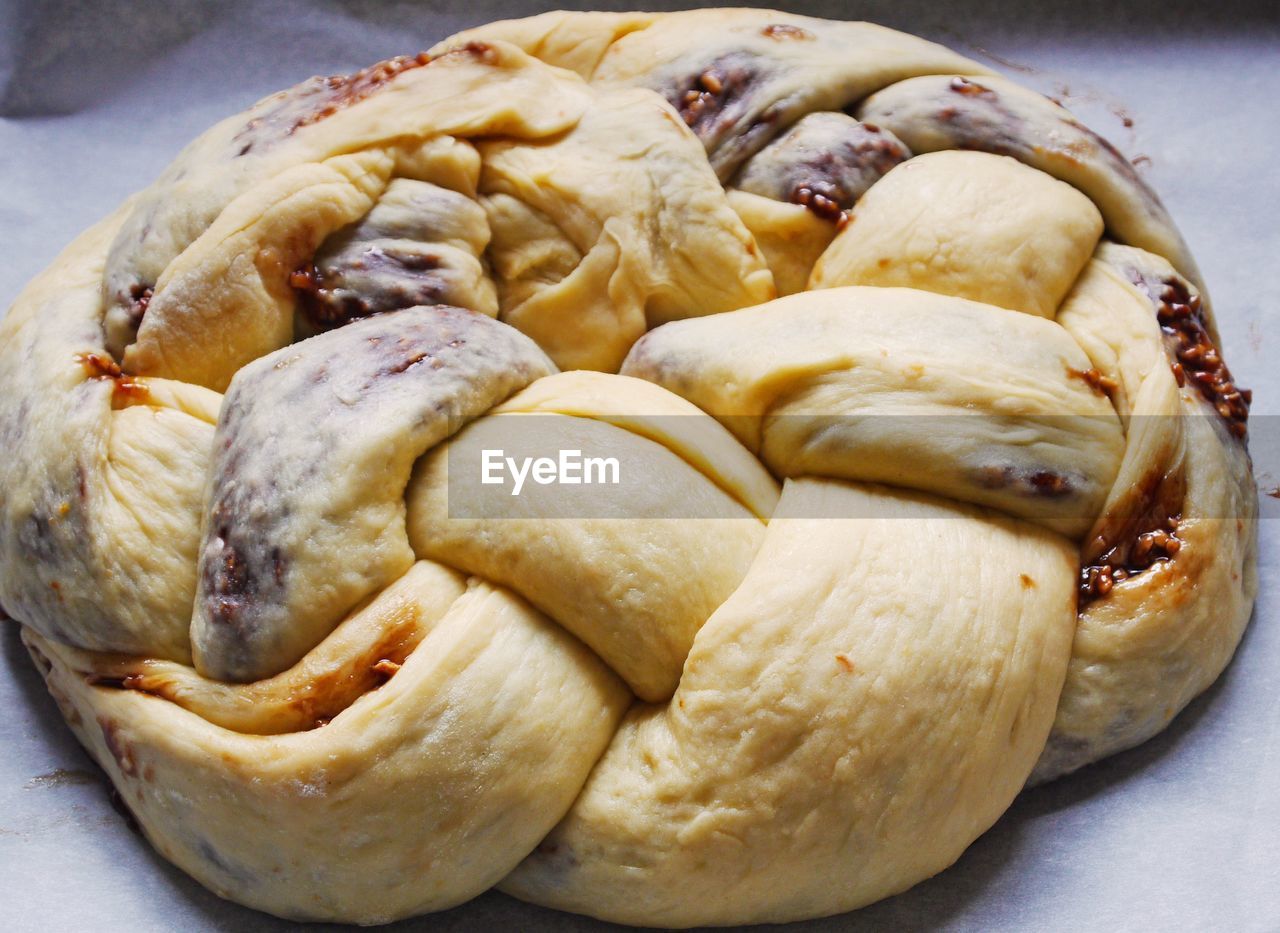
{"x": 1059, "y": 470}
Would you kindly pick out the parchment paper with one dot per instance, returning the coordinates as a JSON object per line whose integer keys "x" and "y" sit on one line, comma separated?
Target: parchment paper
{"x": 1181, "y": 834}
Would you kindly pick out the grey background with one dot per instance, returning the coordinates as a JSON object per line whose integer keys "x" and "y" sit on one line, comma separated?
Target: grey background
{"x": 1182, "y": 834}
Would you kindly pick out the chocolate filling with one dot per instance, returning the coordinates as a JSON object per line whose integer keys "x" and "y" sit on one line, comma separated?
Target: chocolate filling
{"x": 120, "y": 749}
{"x": 986, "y": 125}
{"x": 139, "y": 299}
{"x": 822, "y": 189}
{"x": 327, "y": 302}
{"x": 1041, "y": 483}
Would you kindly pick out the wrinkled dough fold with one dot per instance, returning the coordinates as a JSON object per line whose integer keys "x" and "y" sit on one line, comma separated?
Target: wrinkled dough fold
{"x": 305, "y": 517}
{"x": 993, "y": 114}
{"x": 585, "y": 272}
{"x": 968, "y": 224}
{"x": 992, "y": 410}
{"x": 421, "y": 244}
{"x": 608, "y": 561}
{"x": 833, "y": 740}
{"x": 362, "y": 652}
{"x": 1163, "y": 635}
{"x": 494, "y": 692}
{"x": 772, "y": 68}
{"x": 480, "y": 90}
{"x": 227, "y": 299}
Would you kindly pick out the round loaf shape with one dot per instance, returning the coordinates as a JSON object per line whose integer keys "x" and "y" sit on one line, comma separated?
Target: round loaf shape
{"x": 931, "y": 480}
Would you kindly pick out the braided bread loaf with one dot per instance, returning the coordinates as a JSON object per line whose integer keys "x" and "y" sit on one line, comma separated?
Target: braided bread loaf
{"x": 939, "y": 480}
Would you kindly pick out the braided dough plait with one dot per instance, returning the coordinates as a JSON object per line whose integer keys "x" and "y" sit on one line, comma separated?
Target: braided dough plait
{"x": 968, "y": 506}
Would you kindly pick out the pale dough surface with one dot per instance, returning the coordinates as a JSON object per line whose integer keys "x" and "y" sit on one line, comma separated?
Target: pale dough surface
{"x": 840, "y": 623}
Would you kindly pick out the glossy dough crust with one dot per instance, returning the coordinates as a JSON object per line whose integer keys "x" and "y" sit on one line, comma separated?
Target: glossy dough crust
{"x": 946, "y": 486}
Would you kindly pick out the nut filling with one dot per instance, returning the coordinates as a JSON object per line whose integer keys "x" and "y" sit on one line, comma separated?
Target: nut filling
{"x": 1194, "y": 356}
{"x": 318, "y": 98}
{"x": 125, "y": 388}
{"x": 1148, "y": 537}
{"x": 717, "y": 96}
